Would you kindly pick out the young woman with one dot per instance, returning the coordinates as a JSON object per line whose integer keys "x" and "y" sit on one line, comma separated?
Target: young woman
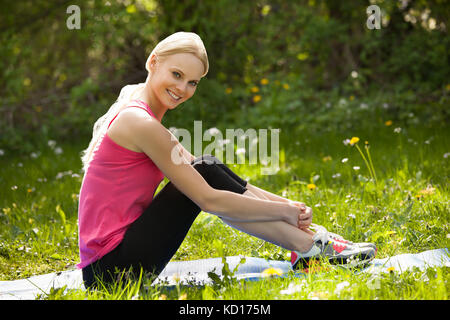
{"x": 122, "y": 226}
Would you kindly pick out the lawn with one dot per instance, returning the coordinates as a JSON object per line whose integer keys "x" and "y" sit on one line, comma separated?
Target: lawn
{"x": 405, "y": 210}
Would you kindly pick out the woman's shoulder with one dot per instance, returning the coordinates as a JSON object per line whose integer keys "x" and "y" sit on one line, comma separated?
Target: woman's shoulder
{"x": 127, "y": 123}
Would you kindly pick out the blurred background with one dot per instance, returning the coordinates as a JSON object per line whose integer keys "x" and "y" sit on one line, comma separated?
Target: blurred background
{"x": 303, "y": 66}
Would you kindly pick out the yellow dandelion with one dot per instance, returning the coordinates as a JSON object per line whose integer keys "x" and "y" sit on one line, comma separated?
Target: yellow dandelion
{"x": 286, "y": 86}
{"x": 265, "y": 10}
{"x": 256, "y": 98}
{"x": 311, "y": 186}
{"x": 390, "y": 269}
{"x": 228, "y": 90}
{"x": 302, "y": 56}
{"x": 327, "y": 158}
{"x": 254, "y": 89}
{"x": 428, "y": 191}
{"x": 270, "y": 272}
{"x": 264, "y": 81}
{"x": 183, "y": 297}
{"x": 26, "y": 82}
{"x": 354, "y": 140}
{"x": 29, "y": 190}
{"x": 131, "y": 8}
{"x": 162, "y": 297}
{"x": 352, "y": 98}
{"x": 388, "y": 123}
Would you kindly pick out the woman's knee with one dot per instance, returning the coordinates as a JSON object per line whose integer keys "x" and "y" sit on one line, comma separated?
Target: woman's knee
{"x": 206, "y": 158}
{"x": 205, "y": 165}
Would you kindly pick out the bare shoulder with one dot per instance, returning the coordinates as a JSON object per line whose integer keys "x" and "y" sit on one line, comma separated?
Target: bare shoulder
{"x": 129, "y": 123}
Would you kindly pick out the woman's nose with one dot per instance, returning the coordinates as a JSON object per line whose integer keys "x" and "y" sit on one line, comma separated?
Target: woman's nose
{"x": 181, "y": 88}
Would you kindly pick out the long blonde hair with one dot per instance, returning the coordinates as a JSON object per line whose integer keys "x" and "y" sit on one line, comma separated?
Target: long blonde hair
{"x": 179, "y": 42}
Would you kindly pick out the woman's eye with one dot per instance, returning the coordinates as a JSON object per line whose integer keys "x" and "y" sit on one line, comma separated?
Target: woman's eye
{"x": 193, "y": 83}
{"x": 176, "y": 74}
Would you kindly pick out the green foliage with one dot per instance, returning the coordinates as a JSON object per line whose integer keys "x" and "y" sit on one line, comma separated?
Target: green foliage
{"x": 57, "y": 81}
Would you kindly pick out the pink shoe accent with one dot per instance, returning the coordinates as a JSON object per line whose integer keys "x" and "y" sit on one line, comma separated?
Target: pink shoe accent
{"x": 338, "y": 247}
{"x": 293, "y": 257}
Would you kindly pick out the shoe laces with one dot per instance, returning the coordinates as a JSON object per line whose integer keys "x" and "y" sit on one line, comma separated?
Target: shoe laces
{"x": 330, "y": 235}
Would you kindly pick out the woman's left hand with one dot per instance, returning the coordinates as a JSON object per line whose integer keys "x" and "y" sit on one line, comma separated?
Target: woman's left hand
{"x": 305, "y": 218}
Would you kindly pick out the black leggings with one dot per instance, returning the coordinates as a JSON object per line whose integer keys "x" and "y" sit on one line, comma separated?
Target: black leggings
{"x": 152, "y": 240}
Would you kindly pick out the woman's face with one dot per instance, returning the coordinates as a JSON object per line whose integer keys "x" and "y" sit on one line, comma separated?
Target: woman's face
{"x": 174, "y": 79}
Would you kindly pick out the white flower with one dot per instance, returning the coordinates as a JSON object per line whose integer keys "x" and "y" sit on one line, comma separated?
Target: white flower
{"x": 342, "y": 102}
{"x": 337, "y": 175}
{"x": 58, "y": 150}
{"x": 213, "y": 131}
{"x": 346, "y": 142}
{"x": 240, "y": 150}
{"x": 354, "y": 74}
{"x": 446, "y": 155}
{"x": 397, "y": 130}
{"x": 2, "y": 152}
{"x": 364, "y": 106}
{"x": 293, "y": 288}
{"x": 356, "y": 168}
{"x": 51, "y": 143}
{"x": 344, "y": 160}
{"x": 340, "y": 287}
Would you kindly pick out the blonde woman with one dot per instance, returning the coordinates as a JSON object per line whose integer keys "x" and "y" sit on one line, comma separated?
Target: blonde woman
{"x": 122, "y": 226}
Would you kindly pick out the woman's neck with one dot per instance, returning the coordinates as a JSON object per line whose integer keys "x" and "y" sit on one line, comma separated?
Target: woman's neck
{"x": 156, "y": 107}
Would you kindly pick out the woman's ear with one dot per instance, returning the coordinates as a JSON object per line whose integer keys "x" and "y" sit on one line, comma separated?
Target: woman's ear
{"x": 152, "y": 63}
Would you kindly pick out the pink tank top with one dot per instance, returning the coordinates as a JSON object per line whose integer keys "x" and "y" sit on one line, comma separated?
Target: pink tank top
{"x": 117, "y": 187}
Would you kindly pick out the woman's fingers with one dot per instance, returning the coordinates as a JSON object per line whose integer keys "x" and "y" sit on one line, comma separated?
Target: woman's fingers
{"x": 305, "y": 218}
{"x": 301, "y": 205}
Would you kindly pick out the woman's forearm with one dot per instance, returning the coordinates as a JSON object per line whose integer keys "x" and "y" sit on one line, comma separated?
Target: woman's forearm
{"x": 237, "y": 207}
{"x": 265, "y": 194}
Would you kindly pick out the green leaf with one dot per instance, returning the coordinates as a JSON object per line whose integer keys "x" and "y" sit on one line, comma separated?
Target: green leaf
{"x": 61, "y": 213}
{"x": 56, "y": 256}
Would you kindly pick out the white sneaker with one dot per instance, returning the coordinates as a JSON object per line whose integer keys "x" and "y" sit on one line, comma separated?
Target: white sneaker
{"x": 339, "y": 238}
{"x": 336, "y": 252}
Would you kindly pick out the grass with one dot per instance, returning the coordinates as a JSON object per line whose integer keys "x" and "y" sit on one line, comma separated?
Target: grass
{"x": 405, "y": 211}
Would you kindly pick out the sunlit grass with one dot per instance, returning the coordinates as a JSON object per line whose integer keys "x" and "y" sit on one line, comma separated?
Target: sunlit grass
{"x": 405, "y": 211}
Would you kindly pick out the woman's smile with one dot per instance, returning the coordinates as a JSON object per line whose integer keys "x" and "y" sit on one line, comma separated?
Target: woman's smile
{"x": 173, "y": 95}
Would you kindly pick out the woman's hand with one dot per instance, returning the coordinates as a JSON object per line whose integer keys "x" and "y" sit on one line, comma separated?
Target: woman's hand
{"x": 305, "y": 216}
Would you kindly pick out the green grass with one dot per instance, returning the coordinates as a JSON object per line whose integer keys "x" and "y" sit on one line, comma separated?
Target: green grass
{"x": 406, "y": 211}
